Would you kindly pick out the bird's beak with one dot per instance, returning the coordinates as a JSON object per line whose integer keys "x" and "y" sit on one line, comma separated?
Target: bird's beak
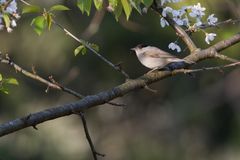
{"x": 133, "y": 49}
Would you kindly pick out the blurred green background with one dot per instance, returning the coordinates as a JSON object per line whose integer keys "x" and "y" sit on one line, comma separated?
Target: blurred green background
{"x": 189, "y": 118}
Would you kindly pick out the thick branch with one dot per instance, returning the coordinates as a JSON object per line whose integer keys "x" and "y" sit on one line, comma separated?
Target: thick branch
{"x": 80, "y": 106}
{"x": 106, "y": 96}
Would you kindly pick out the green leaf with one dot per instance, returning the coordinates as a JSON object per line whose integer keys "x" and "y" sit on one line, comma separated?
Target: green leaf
{"x": 12, "y": 81}
{"x": 81, "y": 49}
{"x": 136, "y": 5}
{"x": 84, "y": 6}
{"x": 59, "y": 8}
{"x": 147, "y": 3}
{"x": 39, "y": 24}
{"x": 113, "y": 3}
{"x": 4, "y": 90}
{"x": 1, "y": 78}
{"x": 6, "y": 20}
{"x": 118, "y": 11}
{"x": 98, "y": 4}
{"x": 127, "y": 8}
{"x": 94, "y": 46}
{"x": 31, "y": 9}
{"x": 49, "y": 20}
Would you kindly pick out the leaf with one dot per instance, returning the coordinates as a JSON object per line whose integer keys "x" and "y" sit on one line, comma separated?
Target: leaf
{"x": 98, "y": 4}
{"x": 94, "y": 46}
{"x": 113, "y": 3}
{"x": 6, "y": 20}
{"x": 127, "y": 8}
{"x": 84, "y": 6}
{"x": 81, "y": 49}
{"x": 12, "y": 81}
{"x": 39, "y": 24}
{"x": 118, "y": 11}
{"x": 136, "y": 5}
{"x": 59, "y": 8}
{"x": 4, "y": 90}
{"x": 1, "y": 78}
{"x": 49, "y": 20}
{"x": 31, "y": 9}
{"x": 147, "y": 3}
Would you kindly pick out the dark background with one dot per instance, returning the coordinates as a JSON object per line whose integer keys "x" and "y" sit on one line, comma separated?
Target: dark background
{"x": 189, "y": 118}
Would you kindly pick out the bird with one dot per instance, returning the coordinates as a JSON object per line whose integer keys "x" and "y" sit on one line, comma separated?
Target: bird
{"x": 155, "y": 58}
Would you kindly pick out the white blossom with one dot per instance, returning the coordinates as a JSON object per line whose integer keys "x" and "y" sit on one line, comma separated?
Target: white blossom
{"x": 177, "y": 17}
{"x": 174, "y": 46}
{"x": 212, "y": 20}
{"x": 9, "y": 30}
{"x": 198, "y": 23}
{"x": 10, "y": 9}
{"x": 186, "y": 22}
{"x": 209, "y": 37}
{"x": 163, "y": 22}
{"x": 166, "y": 10}
{"x": 188, "y": 16}
{"x": 197, "y": 11}
{"x": 13, "y": 23}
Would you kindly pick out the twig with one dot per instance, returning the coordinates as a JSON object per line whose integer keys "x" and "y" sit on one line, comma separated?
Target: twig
{"x": 206, "y": 68}
{"x": 94, "y": 152}
{"x": 226, "y": 58}
{"x": 91, "y": 49}
{"x": 26, "y": 3}
{"x": 226, "y": 22}
{"x": 29, "y": 74}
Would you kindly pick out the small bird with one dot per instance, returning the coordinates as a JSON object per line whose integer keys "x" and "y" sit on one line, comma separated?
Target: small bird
{"x": 155, "y": 58}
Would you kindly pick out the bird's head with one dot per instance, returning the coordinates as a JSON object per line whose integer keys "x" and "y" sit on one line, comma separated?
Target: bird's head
{"x": 138, "y": 48}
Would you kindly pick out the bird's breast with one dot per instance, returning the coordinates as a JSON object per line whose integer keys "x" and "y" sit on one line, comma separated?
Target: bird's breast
{"x": 152, "y": 63}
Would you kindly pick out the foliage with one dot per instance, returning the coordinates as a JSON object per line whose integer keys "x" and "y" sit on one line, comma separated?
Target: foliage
{"x": 4, "y": 82}
{"x": 45, "y": 19}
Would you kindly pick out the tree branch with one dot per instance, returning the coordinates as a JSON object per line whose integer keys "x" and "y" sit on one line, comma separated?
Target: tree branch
{"x": 106, "y": 96}
{"x": 226, "y": 43}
